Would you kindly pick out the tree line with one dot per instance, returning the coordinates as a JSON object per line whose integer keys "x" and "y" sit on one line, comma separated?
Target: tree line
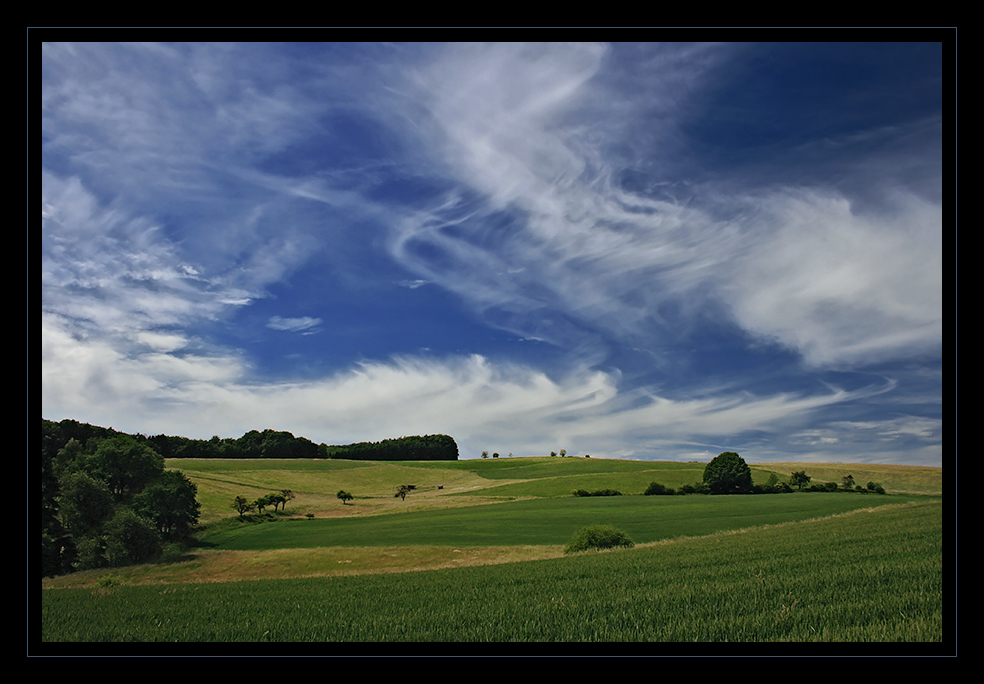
{"x": 728, "y": 473}
{"x": 416, "y": 448}
{"x": 266, "y": 444}
{"x": 108, "y": 501}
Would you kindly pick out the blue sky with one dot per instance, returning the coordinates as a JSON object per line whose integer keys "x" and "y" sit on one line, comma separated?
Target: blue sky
{"x": 652, "y": 251}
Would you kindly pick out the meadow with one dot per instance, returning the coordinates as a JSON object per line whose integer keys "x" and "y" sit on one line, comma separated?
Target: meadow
{"x": 480, "y": 560}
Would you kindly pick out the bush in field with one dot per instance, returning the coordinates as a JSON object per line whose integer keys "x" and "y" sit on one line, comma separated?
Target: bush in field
{"x": 598, "y": 537}
{"x": 597, "y": 492}
{"x": 696, "y": 488}
{"x": 656, "y": 489}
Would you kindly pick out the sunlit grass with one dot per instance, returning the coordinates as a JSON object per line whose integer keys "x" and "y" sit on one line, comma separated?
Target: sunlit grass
{"x": 866, "y": 576}
{"x": 545, "y": 521}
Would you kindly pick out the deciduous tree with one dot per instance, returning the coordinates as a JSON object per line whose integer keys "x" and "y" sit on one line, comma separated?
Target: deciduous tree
{"x": 799, "y": 479}
{"x": 84, "y": 502}
{"x": 125, "y": 464}
{"x": 243, "y": 505}
{"x": 727, "y": 473}
{"x": 170, "y": 502}
{"x": 130, "y": 538}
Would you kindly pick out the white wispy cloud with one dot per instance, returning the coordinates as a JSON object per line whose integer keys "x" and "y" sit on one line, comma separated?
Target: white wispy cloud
{"x": 527, "y": 219}
{"x": 472, "y": 398}
{"x": 293, "y": 324}
{"x": 797, "y": 265}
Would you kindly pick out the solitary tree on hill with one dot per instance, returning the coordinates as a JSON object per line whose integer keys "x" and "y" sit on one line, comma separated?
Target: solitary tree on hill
{"x": 727, "y": 473}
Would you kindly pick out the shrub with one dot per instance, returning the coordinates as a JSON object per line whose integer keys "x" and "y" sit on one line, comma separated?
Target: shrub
{"x": 597, "y": 492}
{"x": 598, "y": 537}
{"x": 656, "y": 489}
{"x": 696, "y": 488}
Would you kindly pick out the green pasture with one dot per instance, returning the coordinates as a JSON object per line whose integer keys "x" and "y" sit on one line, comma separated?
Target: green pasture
{"x": 456, "y": 483}
{"x": 546, "y": 521}
{"x": 825, "y": 567}
{"x": 871, "y": 575}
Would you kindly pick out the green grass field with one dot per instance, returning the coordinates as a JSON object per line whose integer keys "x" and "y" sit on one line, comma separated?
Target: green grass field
{"x": 470, "y": 563}
{"x": 545, "y": 521}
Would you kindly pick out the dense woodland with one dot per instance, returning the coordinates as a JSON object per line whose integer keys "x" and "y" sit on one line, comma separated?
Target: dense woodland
{"x": 108, "y": 500}
{"x": 426, "y": 448}
{"x": 256, "y": 444}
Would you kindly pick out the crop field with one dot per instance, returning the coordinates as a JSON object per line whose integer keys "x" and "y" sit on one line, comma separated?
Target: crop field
{"x": 481, "y": 560}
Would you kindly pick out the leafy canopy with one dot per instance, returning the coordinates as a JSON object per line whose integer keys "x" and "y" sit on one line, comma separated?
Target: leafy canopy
{"x": 727, "y": 473}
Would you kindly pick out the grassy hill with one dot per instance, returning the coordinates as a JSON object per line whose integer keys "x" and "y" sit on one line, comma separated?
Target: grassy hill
{"x": 484, "y": 541}
{"x": 474, "y": 482}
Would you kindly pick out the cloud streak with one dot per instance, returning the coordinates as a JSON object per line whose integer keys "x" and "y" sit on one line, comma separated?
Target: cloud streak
{"x": 798, "y": 265}
{"x": 596, "y": 279}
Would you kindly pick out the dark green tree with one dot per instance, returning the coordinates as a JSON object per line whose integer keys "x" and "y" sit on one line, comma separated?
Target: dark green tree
{"x": 727, "y": 473}
{"x": 170, "y": 502}
{"x": 57, "y": 545}
{"x": 657, "y": 489}
{"x": 71, "y": 452}
{"x": 288, "y": 496}
{"x": 799, "y": 479}
{"x": 264, "y": 501}
{"x": 402, "y": 492}
{"x": 344, "y": 496}
{"x": 130, "y": 538}
{"x": 84, "y": 502}
{"x": 243, "y": 505}
{"x": 125, "y": 464}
